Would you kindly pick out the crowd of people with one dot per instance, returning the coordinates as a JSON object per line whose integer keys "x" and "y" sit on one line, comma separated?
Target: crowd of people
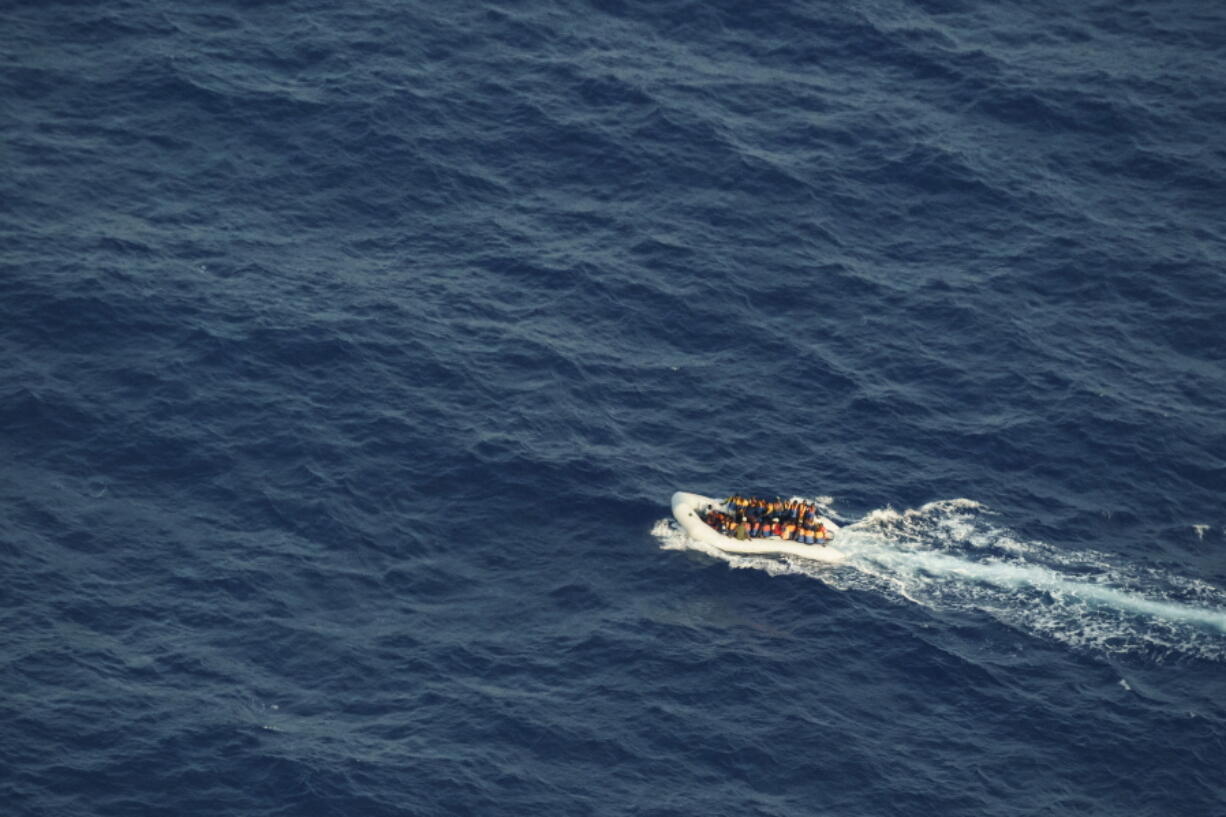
{"x": 749, "y": 517}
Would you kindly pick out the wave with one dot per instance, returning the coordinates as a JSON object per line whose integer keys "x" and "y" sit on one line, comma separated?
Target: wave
{"x": 948, "y": 555}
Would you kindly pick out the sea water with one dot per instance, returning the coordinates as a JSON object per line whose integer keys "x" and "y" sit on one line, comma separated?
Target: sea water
{"x": 353, "y": 351}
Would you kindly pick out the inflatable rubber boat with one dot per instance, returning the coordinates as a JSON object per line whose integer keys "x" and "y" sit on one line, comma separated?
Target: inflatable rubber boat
{"x": 688, "y": 509}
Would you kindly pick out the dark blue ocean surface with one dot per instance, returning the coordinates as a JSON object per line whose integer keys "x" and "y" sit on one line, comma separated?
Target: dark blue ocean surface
{"x": 352, "y": 352}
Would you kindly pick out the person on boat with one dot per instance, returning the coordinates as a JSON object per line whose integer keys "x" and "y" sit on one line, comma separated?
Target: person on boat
{"x": 742, "y": 527}
{"x": 821, "y": 535}
{"x": 807, "y": 528}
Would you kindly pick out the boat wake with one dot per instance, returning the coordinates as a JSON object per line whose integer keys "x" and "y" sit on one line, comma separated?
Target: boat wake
{"x": 948, "y": 555}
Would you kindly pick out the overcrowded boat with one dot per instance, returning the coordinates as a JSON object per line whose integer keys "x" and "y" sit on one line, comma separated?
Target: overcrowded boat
{"x": 757, "y": 525}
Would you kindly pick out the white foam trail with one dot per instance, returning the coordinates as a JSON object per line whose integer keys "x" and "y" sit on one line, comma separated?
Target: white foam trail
{"x": 1013, "y": 576}
{"x": 947, "y": 555}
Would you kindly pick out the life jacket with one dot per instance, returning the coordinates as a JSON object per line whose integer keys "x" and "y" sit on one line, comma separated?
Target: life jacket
{"x": 789, "y": 530}
{"x": 777, "y": 528}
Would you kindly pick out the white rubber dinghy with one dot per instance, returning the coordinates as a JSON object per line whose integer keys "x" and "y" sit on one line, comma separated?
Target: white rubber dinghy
{"x": 688, "y": 507}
